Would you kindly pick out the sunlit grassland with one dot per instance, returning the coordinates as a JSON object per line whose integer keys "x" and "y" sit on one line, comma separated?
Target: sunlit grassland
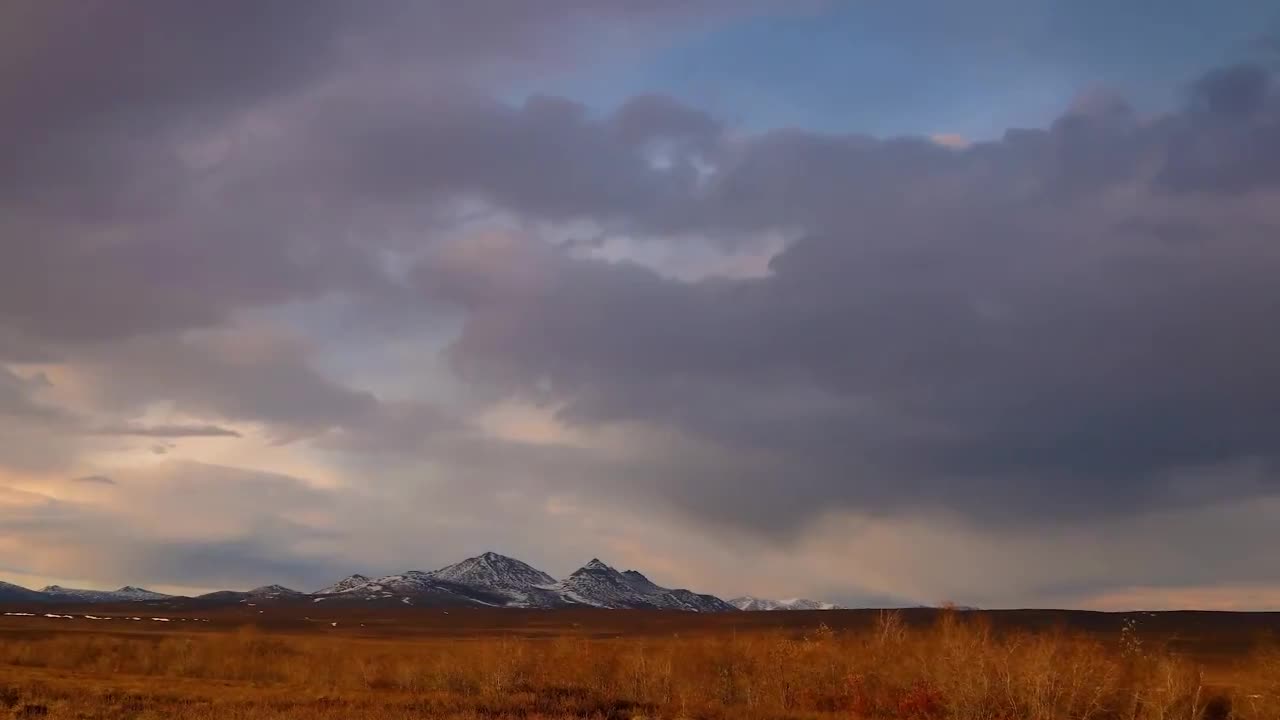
{"x": 958, "y": 667}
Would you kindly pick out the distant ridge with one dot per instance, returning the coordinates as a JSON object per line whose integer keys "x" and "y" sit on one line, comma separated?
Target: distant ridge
{"x": 128, "y": 593}
{"x": 10, "y": 593}
{"x": 486, "y": 580}
{"x": 750, "y": 603}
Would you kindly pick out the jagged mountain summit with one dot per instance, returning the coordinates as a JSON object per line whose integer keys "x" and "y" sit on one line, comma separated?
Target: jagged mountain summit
{"x": 494, "y": 570}
{"x": 487, "y": 580}
{"x": 598, "y": 585}
{"x": 128, "y": 593}
{"x": 343, "y": 585}
{"x": 750, "y": 603}
{"x": 516, "y": 583}
{"x": 275, "y": 592}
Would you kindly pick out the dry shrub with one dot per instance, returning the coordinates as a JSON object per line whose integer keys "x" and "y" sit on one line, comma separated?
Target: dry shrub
{"x": 958, "y": 669}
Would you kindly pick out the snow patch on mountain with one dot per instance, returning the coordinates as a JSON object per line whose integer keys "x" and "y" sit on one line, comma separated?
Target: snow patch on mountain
{"x": 343, "y": 585}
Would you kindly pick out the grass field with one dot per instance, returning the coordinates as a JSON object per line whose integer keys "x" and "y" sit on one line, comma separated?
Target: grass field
{"x": 279, "y": 662}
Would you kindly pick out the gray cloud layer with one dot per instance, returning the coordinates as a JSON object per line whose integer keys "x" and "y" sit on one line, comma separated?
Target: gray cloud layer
{"x": 1064, "y": 327}
{"x": 1043, "y": 326}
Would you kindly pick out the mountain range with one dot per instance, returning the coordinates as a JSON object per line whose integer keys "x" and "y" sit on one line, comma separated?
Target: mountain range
{"x": 128, "y": 593}
{"x": 487, "y": 580}
{"x": 493, "y": 580}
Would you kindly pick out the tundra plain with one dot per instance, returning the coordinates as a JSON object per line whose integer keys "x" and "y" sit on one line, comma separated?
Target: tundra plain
{"x": 298, "y": 661}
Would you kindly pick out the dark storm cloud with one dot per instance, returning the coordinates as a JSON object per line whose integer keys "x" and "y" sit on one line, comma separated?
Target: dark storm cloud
{"x": 1044, "y": 326}
{"x": 1235, "y": 90}
{"x": 116, "y": 223}
{"x": 67, "y": 60}
{"x": 650, "y": 117}
{"x": 109, "y": 230}
{"x": 297, "y": 217}
{"x": 547, "y": 157}
{"x": 70, "y": 62}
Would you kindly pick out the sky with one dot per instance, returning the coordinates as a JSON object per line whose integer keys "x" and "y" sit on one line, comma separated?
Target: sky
{"x": 878, "y": 303}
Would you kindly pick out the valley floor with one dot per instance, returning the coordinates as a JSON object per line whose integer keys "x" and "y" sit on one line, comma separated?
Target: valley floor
{"x": 279, "y": 662}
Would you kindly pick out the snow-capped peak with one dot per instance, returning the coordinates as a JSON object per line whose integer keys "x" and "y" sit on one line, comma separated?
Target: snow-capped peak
{"x": 347, "y": 583}
{"x": 274, "y": 591}
{"x": 595, "y": 565}
{"x": 491, "y": 570}
{"x": 600, "y": 585}
{"x": 134, "y": 592}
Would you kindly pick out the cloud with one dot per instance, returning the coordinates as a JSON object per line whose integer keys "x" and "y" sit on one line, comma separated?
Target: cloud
{"x": 251, "y": 526}
{"x": 19, "y": 396}
{"x": 241, "y": 51}
{"x": 1061, "y": 332}
{"x": 95, "y": 480}
{"x": 235, "y": 375}
{"x": 198, "y": 126}
{"x": 1043, "y": 328}
{"x": 168, "y": 431}
{"x": 1235, "y": 90}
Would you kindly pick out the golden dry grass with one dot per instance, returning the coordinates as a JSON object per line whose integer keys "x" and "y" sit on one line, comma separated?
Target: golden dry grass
{"x": 956, "y": 669}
